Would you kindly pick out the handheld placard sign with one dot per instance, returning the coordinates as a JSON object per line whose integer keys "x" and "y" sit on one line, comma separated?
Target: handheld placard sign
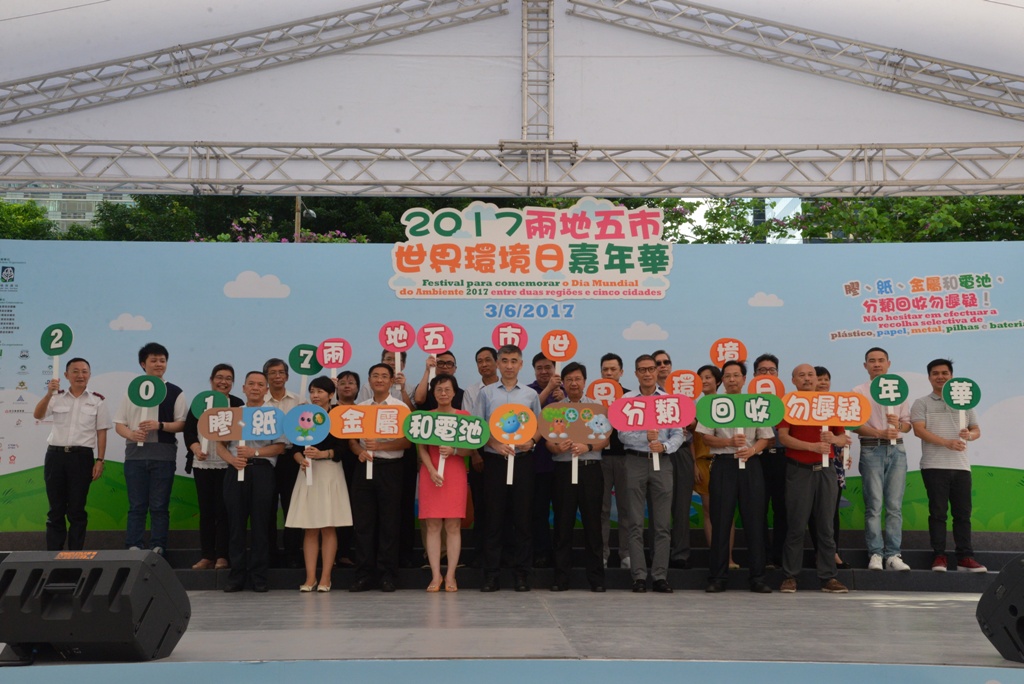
{"x": 654, "y": 412}
{"x": 683, "y": 382}
{"x": 203, "y": 402}
{"x": 889, "y": 391}
{"x": 558, "y": 346}
{"x": 303, "y": 360}
{"x": 509, "y": 333}
{"x": 434, "y": 339}
{"x": 446, "y": 429}
{"x": 737, "y": 411}
{"x": 766, "y": 384}
{"x": 605, "y": 391}
{"x": 304, "y": 425}
{"x": 147, "y": 391}
{"x": 333, "y": 353}
{"x": 577, "y": 422}
{"x": 380, "y": 421}
{"x": 830, "y": 409}
{"x": 56, "y": 340}
{"x": 962, "y": 394}
{"x": 223, "y": 424}
{"x": 397, "y": 337}
{"x": 511, "y": 425}
{"x": 727, "y": 349}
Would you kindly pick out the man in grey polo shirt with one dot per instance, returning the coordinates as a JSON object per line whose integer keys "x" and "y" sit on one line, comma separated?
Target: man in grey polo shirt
{"x": 945, "y": 468}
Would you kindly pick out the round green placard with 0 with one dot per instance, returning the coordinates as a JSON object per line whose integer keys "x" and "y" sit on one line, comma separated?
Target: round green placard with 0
{"x": 56, "y": 339}
{"x": 147, "y": 391}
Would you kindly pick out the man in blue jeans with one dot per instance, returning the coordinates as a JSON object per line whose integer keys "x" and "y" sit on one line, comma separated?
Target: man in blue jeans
{"x": 883, "y": 467}
{"x": 151, "y": 446}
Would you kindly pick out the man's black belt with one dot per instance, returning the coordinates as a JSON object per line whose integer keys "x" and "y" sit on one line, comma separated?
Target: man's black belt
{"x": 648, "y": 454}
{"x": 70, "y": 449}
{"x": 809, "y": 466}
{"x": 872, "y": 441}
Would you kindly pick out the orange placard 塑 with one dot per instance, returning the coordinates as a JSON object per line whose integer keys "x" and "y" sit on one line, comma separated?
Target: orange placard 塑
{"x": 842, "y": 409}
{"x": 766, "y": 384}
{"x": 727, "y": 349}
{"x": 558, "y": 345}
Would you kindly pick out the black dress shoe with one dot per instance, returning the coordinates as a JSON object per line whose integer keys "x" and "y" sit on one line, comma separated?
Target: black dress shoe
{"x": 597, "y": 588}
{"x": 715, "y": 587}
{"x": 260, "y": 588}
{"x": 490, "y": 584}
{"x": 559, "y": 587}
{"x": 522, "y": 584}
{"x": 760, "y": 588}
{"x": 232, "y": 588}
{"x": 387, "y": 585}
{"x": 843, "y": 566}
{"x": 661, "y": 586}
{"x": 679, "y": 564}
{"x": 361, "y": 584}
{"x": 639, "y": 586}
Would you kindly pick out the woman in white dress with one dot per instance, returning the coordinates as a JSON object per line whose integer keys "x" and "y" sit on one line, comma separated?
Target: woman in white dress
{"x": 324, "y": 505}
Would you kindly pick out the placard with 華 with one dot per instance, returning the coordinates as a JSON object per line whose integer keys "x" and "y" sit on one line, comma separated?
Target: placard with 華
{"x": 446, "y": 429}
{"x": 962, "y": 394}
{"x": 605, "y": 391}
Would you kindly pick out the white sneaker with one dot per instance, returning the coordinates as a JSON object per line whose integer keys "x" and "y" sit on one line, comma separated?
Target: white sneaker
{"x": 875, "y": 562}
{"x": 625, "y": 563}
{"x": 158, "y": 550}
{"x": 896, "y": 563}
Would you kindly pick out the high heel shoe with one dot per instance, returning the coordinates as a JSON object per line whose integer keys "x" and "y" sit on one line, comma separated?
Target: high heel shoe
{"x": 323, "y": 588}
{"x": 432, "y": 588}
{"x": 307, "y": 587}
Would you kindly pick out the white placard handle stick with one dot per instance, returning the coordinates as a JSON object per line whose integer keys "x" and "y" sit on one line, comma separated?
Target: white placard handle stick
{"x": 241, "y": 472}
{"x": 309, "y": 471}
{"x": 369, "y": 466}
{"x": 302, "y": 388}
{"x": 657, "y": 460}
{"x": 56, "y": 367}
{"x": 204, "y": 446}
{"x": 398, "y": 362}
{"x": 334, "y": 374}
{"x": 440, "y": 465}
{"x": 742, "y": 464}
{"x": 575, "y": 469}
{"x": 889, "y": 410}
{"x": 847, "y": 461}
{"x": 432, "y": 373}
{"x": 508, "y": 469}
{"x": 825, "y": 456}
{"x": 145, "y": 416}
{"x": 963, "y": 421}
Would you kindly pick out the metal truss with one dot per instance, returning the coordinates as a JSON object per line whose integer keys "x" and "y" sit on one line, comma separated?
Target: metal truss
{"x": 186, "y": 66}
{"x": 538, "y": 70}
{"x": 843, "y": 59}
{"x": 515, "y": 168}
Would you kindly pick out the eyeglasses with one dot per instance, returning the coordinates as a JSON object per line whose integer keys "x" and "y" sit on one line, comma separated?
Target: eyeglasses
{"x": 646, "y": 369}
{"x": 767, "y": 371}
{"x": 662, "y": 363}
{"x": 224, "y": 378}
{"x": 446, "y": 364}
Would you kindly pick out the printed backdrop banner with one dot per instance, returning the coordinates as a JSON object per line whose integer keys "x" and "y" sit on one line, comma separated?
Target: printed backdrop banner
{"x": 244, "y": 303}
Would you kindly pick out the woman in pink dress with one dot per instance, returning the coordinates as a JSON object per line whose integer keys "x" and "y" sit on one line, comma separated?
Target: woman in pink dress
{"x": 443, "y": 499}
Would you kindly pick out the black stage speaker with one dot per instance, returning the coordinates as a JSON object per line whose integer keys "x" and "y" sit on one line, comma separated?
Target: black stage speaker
{"x": 91, "y": 605}
{"x": 1001, "y": 611}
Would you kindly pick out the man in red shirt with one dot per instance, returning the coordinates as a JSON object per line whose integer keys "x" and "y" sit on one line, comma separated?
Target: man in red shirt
{"x": 810, "y": 486}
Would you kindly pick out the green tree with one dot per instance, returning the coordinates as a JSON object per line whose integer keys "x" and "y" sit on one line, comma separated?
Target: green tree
{"x": 25, "y": 221}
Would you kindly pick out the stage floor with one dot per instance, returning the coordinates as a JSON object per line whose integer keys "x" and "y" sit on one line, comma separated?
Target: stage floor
{"x": 543, "y": 637}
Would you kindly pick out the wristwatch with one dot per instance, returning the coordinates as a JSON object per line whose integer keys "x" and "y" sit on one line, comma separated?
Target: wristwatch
{"x": 257, "y": 453}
